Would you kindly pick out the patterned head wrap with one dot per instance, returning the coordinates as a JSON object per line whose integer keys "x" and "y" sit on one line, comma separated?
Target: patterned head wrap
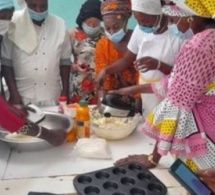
{"x": 6, "y": 4}
{"x": 91, "y": 8}
{"x": 203, "y": 8}
{"x": 173, "y": 10}
{"x": 118, "y": 8}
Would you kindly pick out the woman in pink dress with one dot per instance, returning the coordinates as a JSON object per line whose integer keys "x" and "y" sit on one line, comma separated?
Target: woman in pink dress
{"x": 183, "y": 123}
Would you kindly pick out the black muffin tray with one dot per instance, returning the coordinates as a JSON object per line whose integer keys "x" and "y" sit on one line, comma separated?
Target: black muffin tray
{"x": 130, "y": 179}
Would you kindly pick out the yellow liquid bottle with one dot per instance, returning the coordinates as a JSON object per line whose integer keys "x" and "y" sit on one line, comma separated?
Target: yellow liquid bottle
{"x": 82, "y": 120}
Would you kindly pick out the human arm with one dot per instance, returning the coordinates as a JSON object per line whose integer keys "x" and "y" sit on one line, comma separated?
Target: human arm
{"x": 148, "y": 63}
{"x": 65, "y": 74}
{"x": 118, "y": 66}
{"x": 55, "y": 137}
{"x": 9, "y": 76}
{"x": 144, "y": 88}
{"x": 8, "y": 71}
{"x": 208, "y": 177}
{"x": 65, "y": 63}
{"x": 14, "y": 119}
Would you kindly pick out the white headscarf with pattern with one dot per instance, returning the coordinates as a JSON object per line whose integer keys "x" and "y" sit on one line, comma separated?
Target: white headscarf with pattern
{"x": 151, "y": 7}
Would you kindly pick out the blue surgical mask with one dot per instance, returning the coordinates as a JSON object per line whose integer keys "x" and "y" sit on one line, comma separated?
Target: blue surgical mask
{"x": 38, "y": 16}
{"x": 152, "y": 29}
{"x": 90, "y": 30}
{"x": 116, "y": 37}
{"x": 175, "y": 31}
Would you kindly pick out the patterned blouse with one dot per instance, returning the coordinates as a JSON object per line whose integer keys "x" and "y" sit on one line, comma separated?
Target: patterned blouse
{"x": 82, "y": 84}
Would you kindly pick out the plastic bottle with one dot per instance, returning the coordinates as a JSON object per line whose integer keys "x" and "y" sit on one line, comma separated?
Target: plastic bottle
{"x": 83, "y": 120}
{"x": 71, "y": 111}
{"x": 62, "y": 103}
{"x": 71, "y": 135}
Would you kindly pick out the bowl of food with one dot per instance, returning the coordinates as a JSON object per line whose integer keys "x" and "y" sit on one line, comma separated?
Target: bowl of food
{"x": 113, "y": 128}
{"x": 52, "y": 120}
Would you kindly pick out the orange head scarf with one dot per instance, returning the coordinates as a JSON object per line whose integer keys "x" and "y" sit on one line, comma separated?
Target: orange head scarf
{"x": 118, "y": 8}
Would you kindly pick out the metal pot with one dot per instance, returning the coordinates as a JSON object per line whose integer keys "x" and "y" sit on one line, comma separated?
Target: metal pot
{"x": 52, "y": 120}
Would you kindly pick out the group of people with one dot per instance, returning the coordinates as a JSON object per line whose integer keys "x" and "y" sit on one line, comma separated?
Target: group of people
{"x": 167, "y": 63}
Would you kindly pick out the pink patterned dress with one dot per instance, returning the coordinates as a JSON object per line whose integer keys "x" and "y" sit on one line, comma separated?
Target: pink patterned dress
{"x": 184, "y": 122}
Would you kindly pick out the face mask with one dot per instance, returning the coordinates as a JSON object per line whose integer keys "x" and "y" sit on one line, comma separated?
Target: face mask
{"x": 151, "y": 29}
{"x": 116, "y": 37}
{"x": 38, "y": 16}
{"x": 4, "y": 25}
{"x": 90, "y": 30}
{"x": 175, "y": 31}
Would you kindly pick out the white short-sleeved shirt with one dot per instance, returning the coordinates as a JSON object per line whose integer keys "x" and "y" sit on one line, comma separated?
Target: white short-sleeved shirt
{"x": 163, "y": 47}
{"x": 37, "y": 75}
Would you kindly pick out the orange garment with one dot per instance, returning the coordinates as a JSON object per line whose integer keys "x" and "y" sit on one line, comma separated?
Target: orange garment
{"x": 105, "y": 55}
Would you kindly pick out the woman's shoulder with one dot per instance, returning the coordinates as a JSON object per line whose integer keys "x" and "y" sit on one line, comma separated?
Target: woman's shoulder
{"x": 203, "y": 40}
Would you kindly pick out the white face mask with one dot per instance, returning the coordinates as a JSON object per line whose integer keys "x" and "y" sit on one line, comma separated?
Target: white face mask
{"x": 4, "y": 25}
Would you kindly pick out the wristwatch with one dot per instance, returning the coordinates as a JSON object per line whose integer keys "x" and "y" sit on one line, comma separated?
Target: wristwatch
{"x": 24, "y": 130}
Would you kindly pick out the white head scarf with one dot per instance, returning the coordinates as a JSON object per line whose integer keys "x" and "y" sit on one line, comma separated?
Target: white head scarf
{"x": 151, "y": 7}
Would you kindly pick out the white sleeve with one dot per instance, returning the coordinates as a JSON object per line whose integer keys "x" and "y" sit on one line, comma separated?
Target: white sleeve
{"x": 6, "y": 53}
{"x": 134, "y": 42}
{"x": 66, "y": 51}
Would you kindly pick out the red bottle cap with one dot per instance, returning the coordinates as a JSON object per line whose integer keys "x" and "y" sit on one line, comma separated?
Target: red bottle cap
{"x": 62, "y": 99}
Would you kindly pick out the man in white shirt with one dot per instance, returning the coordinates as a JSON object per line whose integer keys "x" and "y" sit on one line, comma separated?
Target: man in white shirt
{"x": 6, "y": 13}
{"x": 36, "y": 56}
{"x": 152, "y": 48}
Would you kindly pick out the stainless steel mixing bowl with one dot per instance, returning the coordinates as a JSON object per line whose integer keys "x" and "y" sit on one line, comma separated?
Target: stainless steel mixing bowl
{"x": 52, "y": 120}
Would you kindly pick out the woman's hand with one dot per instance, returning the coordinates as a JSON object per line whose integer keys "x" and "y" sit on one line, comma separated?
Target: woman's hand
{"x": 100, "y": 79}
{"x": 146, "y": 63}
{"x": 80, "y": 68}
{"x": 208, "y": 176}
{"x": 141, "y": 159}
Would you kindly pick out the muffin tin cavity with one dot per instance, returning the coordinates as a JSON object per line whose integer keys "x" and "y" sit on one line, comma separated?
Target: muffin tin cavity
{"x": 91, "y": 190}
{"x": 110, "y": 185}
{"x": 84, "y": 179}
{"x": 102, "y": 175}
{"x": 119, "y": 171}
{"x": 130, "y": 179}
